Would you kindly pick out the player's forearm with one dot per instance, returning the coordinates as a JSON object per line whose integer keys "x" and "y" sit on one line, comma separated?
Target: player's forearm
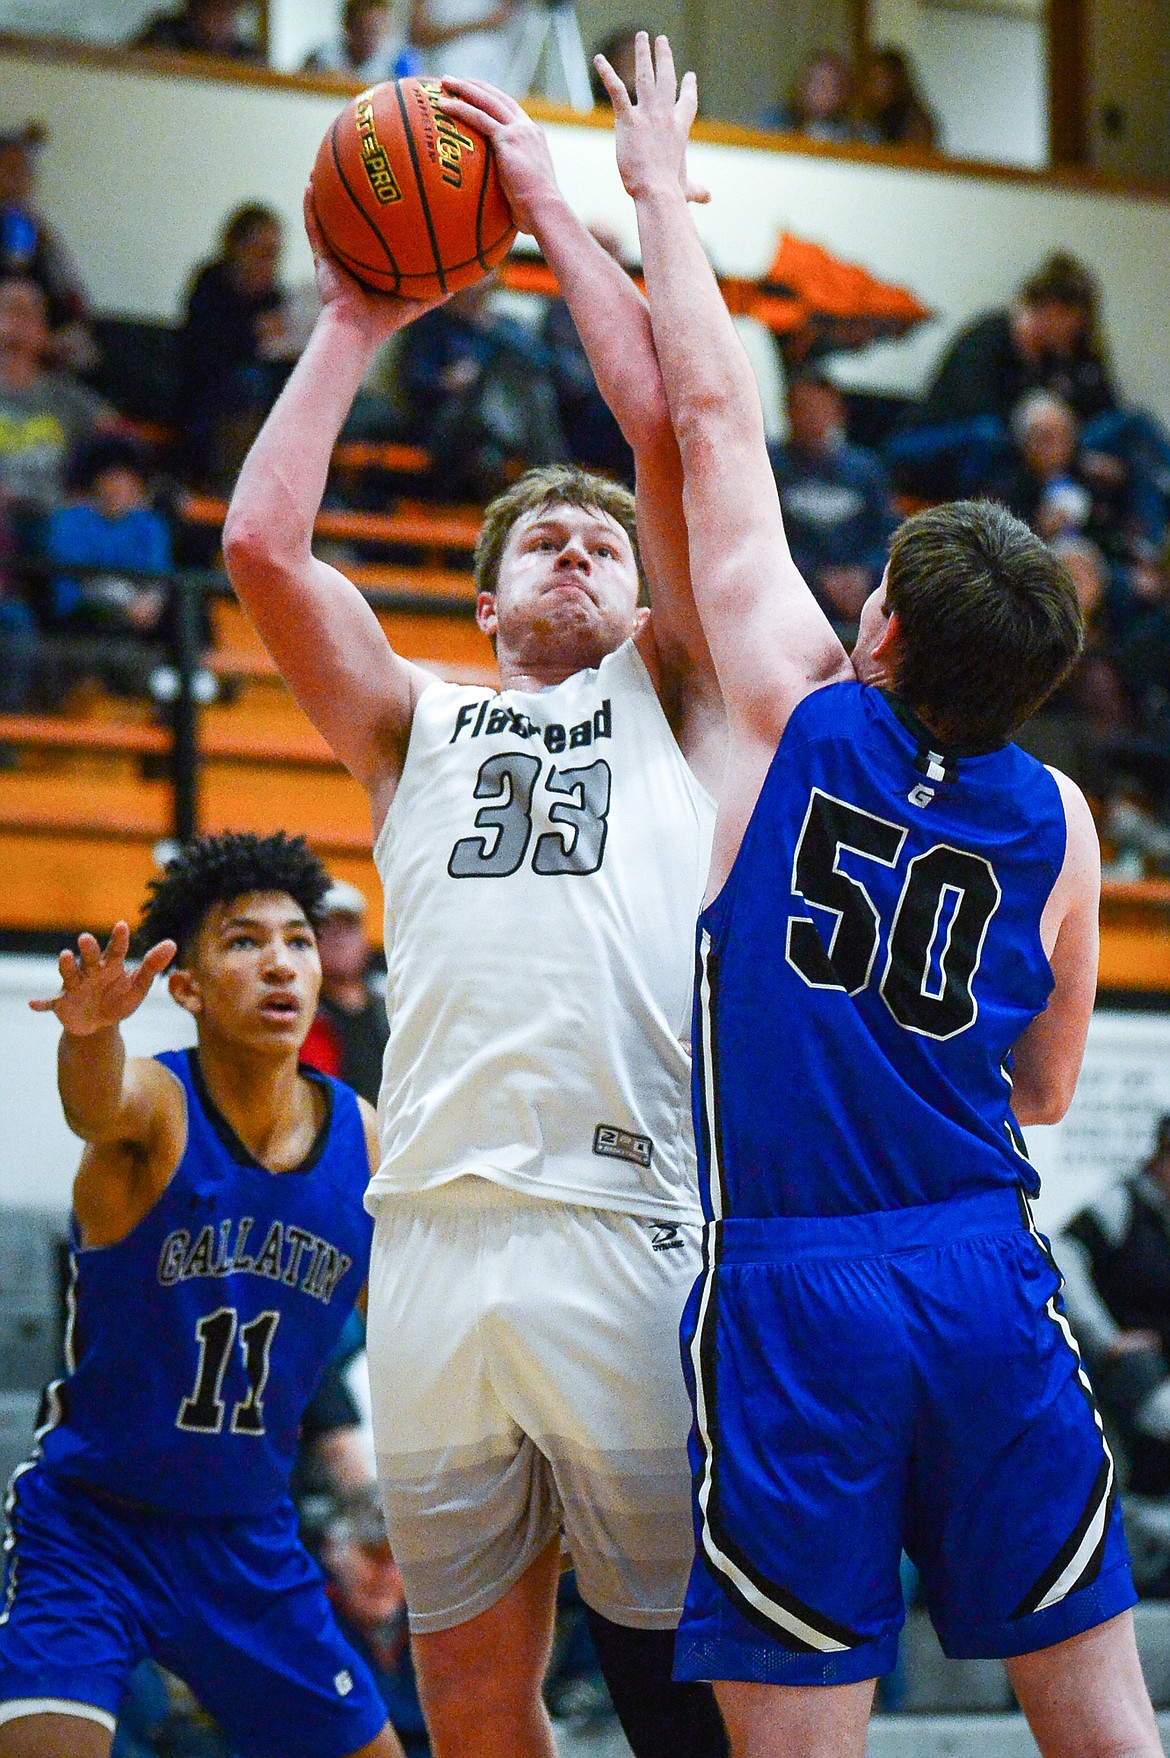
{"x": 708, "y": 379}
{"x": 612, "y": 320}
{"x": 282, "y": 483}
{"x": 90, "y": 1077}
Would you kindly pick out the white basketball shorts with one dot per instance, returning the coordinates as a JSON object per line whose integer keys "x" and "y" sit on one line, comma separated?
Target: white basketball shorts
{"x": 524, "y": 1367}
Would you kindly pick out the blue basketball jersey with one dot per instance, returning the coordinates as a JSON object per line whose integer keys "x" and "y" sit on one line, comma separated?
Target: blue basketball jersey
{"x": 867, "y": 967}
{"x": 195, "y": 1342}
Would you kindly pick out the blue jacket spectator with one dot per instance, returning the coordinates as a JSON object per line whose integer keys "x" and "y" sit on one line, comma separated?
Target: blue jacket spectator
{"x": 836, "y": 500}
{"x": 111, "y": 525}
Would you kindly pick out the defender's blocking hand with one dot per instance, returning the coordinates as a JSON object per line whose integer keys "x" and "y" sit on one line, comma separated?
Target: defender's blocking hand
{"x": 521, "y": 147}
{"x": 97, "y": 991}
{"x": 651, "y": 133}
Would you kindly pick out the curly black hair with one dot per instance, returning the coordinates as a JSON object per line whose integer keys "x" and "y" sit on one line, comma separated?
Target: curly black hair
{"x": 215, "y": 869}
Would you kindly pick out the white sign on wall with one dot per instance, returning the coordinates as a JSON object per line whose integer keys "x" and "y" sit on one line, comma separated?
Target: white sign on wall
{"x": 1123, "y": 1090}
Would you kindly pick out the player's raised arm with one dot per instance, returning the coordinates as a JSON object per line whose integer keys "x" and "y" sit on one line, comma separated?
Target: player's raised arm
{"x": 104, "y": 1096}
{"x": 613, "y": 322}
{"x": 325, "y": 638}
{"x": 770, "y": 642}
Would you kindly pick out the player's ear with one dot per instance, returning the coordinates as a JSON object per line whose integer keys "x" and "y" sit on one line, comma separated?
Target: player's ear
{"x": 184, "y": 988}
{"x": 485, "y": 614}
{"x": 889, "y": 641}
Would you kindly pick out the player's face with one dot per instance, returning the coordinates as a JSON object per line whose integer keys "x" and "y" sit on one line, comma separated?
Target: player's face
{"x": 256, "y": 972}
{"x": 567, "y": 587}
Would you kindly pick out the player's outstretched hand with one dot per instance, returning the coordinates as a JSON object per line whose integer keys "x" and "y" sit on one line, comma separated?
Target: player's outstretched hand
{"x": 651, "y": 133}
{"x": 97, "y": 991}
{"x": 521, "y": 147}
{"x": 377, "y": 315}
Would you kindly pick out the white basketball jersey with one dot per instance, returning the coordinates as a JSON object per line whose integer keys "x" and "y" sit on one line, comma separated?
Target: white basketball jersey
{"x": 543, "y": 864}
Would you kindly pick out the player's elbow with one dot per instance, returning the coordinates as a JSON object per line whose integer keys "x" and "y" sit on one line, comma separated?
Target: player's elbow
{"x": 253, "y": 547}
{"x": 1043, "y": 1101}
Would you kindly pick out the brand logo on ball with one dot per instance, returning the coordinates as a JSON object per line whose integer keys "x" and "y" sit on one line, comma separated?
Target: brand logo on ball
{"x": 382, "y": 179}
{"x": 450, "y": 143}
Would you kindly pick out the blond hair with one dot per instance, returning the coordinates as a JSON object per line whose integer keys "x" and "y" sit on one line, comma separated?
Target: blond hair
{"x": 551, "y": 485}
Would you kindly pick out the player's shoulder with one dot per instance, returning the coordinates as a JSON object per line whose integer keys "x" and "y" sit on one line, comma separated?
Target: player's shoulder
{"x": 1081, "y": 839}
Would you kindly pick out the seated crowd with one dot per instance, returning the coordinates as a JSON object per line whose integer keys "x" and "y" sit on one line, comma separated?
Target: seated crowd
{"x": 1021, "y": 408}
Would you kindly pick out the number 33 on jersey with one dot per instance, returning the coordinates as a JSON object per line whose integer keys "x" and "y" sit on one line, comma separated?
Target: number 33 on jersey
{"x": 543, "y": 863}
{"x": 888, "y": 899}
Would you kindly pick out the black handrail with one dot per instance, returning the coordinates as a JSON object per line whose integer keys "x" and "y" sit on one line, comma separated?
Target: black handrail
{"x": 176, "y": 683}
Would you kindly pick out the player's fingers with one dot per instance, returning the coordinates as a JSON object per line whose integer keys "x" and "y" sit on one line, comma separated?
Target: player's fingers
{"x": 688, "y": 100}
{"x": 158, "y": 958}
{"x": 643, "y": 66}
{"x": 487, "y": 98}
{"x": 90, "y": 952}
{"x": 696, "y": 192}
{"x": 316, "y": 241}
{"x": 67, "y": 965}
{"x": 618, "y": 96}
{"x": 45, "y": 1006}
{"x": 665, "y": 77}
{"x": 461, "y": 110}
{"x": 118, "y": 944}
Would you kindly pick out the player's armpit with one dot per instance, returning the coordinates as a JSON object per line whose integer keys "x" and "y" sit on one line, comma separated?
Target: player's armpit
{"x": 1047, "y": 1058}
{"x": 331, "y": 651}
{"x": 369, "y": 1119}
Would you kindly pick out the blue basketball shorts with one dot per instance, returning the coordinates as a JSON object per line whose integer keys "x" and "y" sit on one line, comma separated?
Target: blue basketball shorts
{"x": 236, "y": 1607}
{"x": 866, "y": 1384}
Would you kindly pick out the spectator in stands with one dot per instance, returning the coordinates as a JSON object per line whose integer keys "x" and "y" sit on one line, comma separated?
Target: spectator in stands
{"x": 592, "y": 436}
{"x": 480, "y": 393}
{"x": 236, "y": 346}
{"x": 1057, "y": 486}
{"x": 1048, "y": 339}
{"x": 335, "y": 1457}
{"x": 44, "y": 415}
{"x": 368, "y": 47}
{"x": 618, "y": 49}
{"x": 110, "y": 524}
{"x": 469, "y": 39}
{"x": 201, "y": 27}
{"x": 821, "y": 103}
{"x": 30, "y": 246}
{"x": 1115, "y": 1256}
{"x": 835, "y": 497}
{"x": 349, "y": 1034}
{"x": 889, "y": 105}
{"x": 366, "y": 1591}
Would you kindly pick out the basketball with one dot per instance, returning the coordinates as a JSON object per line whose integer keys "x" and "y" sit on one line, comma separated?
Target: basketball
{"x": 408, "y": 200}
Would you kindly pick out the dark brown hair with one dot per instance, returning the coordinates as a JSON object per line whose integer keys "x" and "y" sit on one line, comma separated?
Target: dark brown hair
{"x": 549, "y": 486}
{"x": 988, "y": 619}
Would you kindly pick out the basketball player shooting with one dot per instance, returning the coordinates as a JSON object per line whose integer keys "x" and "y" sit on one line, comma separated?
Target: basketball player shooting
{"x": 219, "y": 1244}
{"x": 542, "y": 851}
{"x": 897, "y": 964}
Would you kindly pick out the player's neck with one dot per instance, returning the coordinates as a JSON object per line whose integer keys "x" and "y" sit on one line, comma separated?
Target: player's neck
{"x": 262, "y": 1097}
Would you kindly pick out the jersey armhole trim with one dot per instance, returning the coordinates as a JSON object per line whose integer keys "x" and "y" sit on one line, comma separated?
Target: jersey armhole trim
{"x": 645, "y": 680}
{"x": 391, "y": 810}
{"x": 17, "y": 1708}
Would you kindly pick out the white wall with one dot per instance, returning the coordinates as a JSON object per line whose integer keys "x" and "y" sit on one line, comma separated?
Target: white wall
{"x": 141, "y": 171}
{"x": 983, "y": 69}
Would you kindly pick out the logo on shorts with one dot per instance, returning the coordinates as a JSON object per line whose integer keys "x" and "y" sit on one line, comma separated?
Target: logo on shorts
{"x": 621, "y": 1144}
{"x": 666, "y": 1236}
{"x": 343, "y": 1682}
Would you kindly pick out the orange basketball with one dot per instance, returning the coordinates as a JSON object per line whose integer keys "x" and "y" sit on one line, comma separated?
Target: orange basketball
{"x": 408, "y": 200}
